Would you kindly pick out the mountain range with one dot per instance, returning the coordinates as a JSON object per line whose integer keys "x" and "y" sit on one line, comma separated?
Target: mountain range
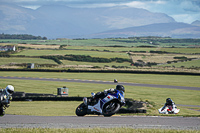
{"x": 58, "y": 21}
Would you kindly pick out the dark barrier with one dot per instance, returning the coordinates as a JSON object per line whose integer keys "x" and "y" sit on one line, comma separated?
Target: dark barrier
{"x": 102, "y": 71}
{"x": 33, "y": 98}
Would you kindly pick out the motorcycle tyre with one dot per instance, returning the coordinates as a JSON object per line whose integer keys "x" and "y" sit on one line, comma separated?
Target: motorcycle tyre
{"x": 82, "y": 112}
{"x": 2, "y": 112}
{"x": 117, "y": 107}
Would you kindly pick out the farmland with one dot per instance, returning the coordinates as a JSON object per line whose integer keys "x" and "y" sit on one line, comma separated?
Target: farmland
{"x": 137, "y": 54}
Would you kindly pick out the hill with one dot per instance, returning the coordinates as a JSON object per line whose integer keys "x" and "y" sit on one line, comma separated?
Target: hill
{"x": 61, "y": 21}
{"x": 58, "y": 21}
{"x": 176, "y": 30}
{"x": 196, "y": 23}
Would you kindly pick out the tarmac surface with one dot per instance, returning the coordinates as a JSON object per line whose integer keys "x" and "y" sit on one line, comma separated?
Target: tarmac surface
{"x": 158, "y": 122}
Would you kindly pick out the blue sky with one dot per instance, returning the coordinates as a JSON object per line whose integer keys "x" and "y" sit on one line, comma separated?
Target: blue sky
{"x": 181, "y": 10}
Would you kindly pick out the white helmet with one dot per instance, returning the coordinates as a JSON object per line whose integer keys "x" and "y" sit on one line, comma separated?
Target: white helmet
{"x": 9, "y": 89}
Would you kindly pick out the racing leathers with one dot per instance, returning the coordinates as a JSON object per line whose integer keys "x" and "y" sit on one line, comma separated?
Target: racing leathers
{"x": 4, "y": 101}
{"x": 171, "y": 106}
{"x": 101, "y": 94}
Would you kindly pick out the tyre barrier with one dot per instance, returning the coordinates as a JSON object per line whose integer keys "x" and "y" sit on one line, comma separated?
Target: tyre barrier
{"x": 123, "y": 111}
{"x": 47, "y": 98}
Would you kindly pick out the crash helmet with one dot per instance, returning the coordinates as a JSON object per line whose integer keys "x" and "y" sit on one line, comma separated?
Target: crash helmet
{"x": 168, "y": 101}
{"x": 120, "y": 88}
{"x": 9, "y": 89}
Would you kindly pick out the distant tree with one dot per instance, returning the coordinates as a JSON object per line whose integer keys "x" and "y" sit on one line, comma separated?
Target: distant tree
{"x": 21, "y": 36}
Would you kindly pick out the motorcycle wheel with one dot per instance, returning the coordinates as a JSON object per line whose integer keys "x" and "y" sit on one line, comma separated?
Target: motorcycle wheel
{"x": 81, "y": 110}
{"x": 110, "y": 108}
{"x": 2, "y": 112}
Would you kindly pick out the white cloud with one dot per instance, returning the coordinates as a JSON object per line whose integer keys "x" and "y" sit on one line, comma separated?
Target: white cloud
{"x": 31, "y": 6}
{"x": 144, "y": 4}
{"x": 186, "y": 18}
{"x": 181, "y": 10}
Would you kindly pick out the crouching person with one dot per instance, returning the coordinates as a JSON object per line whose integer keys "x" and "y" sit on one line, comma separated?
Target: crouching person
{"x": 5, "y": 97}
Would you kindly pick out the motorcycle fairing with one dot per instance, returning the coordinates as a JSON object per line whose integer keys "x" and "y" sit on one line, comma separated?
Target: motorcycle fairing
{"x": 168, "y": 111}
{"x": 119, "y": 96}
{"x": 98, "y": 107}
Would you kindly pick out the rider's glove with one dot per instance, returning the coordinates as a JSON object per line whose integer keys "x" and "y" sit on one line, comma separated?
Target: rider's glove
{"x": 10, "y": 98}
{"x": 105, "y": 92}
{"x": 4, "y": 97}
{"x": 111, "y": 89}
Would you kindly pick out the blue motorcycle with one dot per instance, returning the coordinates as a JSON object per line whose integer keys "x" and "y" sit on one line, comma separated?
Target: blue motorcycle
{"x": 107, "y": 106}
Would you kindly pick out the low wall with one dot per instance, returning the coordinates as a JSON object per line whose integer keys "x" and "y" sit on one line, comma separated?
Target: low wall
{"x": 102, "y": 71}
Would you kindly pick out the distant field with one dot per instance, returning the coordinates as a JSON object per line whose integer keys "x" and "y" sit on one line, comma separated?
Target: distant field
{"x": 14, "y": 60}
{"x": 103, "y": 48}
{"x": 76, "y": 64}
{"x": 121, "y": 48}
{"x": 86, "y": 42}
{"x": 181, "y": 50}
{"x": 108, "y": 42}
{"x": 38, "y": 46}
{"x": 127, "y": 49}
{"x": 74, "y": 52}
{"x": 187, "y": 64}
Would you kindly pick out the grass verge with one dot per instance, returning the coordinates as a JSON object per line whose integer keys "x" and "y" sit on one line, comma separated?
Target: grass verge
{"x": 93, "y": 130}
{"x": 156, "y": 95}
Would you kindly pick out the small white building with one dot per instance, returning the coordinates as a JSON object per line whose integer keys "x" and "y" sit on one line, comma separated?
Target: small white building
{"x": 7, "y": 48}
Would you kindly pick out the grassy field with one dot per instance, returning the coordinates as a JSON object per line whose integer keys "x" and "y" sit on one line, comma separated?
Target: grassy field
{"x": 188, "y": 64}
{"x": 177, "y": 80}
{"x": 102, "y": 48}
{"x": 14, "y": 60}
{"x": 107, "y": 42}
{"x": 93, "y": 130}
{"x": 156, "y": 95}
{"x": 127, "y": 49}
{"x": 74, "y": 52}
{"x": 77, "y": 64}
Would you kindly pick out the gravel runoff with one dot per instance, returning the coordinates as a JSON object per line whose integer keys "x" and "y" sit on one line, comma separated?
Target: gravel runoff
{"x": 155, "y": 122}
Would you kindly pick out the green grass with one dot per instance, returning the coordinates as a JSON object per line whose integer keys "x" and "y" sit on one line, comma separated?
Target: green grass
{"x": 156, "y": 95}
{"x": 93, "y": 130}
{"x": 177, "y": 80}
{"x": 74, "y": 52}
{"x": 171, "y": 50}
{"x": 116, "y": 49}
{"x": 4, "y": 61}
{"x": 97, "y": 50}
{"x": 181, "y": 50}
{"x": 43, "y": 108}
{"x": 76, "y": 63}
{"x": 187, "y": 64}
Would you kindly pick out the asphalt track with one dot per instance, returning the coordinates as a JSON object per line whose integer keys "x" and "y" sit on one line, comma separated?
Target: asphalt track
{"x": 103, "y": 82}
{"x": 20, "y": 121}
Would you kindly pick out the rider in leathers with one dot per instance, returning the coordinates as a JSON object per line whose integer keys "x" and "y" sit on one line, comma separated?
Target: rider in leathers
{"x": 105, "y": 92}
{"x": 5, "y": 97}
{"x": 170, "y": 104}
